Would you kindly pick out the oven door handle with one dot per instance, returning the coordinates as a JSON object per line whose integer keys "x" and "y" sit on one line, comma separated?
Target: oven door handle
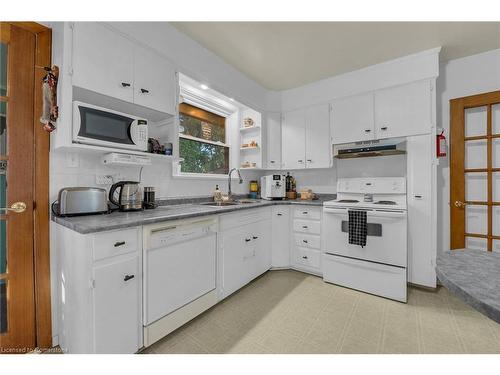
{"x": 396, "y": 214}
{"x": 369, "y": 213}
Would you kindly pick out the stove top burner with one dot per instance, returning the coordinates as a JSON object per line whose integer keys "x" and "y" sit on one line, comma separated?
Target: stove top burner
{"x": 385, "y": 202}
{"x": 348, "y": 201}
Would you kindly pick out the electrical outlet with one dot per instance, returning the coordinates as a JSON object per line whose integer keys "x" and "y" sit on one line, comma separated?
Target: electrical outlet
{"x": 103, "y": 179}
{"x": 72, "y": 160}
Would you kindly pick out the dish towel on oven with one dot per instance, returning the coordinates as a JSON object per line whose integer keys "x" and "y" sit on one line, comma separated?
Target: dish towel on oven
{"x": 357, "y": 227}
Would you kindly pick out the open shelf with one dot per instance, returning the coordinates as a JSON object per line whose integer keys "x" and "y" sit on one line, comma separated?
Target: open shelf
{"x": 255, "y": 127}
{"x": 98, "y": 150}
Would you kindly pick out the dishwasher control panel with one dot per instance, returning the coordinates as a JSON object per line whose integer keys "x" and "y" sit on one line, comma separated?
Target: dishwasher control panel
{"x": 171, "y": 234}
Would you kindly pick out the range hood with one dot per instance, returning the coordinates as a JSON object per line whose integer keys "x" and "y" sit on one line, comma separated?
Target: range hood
{"x": 365, "y": 149}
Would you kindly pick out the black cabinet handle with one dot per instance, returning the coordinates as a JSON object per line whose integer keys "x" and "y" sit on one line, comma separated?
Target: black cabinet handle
{"x": 309, "y": 160}
{"x": 247, "y": 240}
{"x": 383, "y": 128}
{"x": 120, "y": 243}
{"x": 305, "y": 212}
{"x": 367, "y": 130}
{"x": 272, "y": 161}
{"x": 279, "y": 214}
{"x": 300, "y": 161}
{"x": 144, "y": 91}
{"x": 128, "y": 277}
{"x": 305, "y": 226}
{"x": 304, "y": 257}
{"x": 255, "y": 237}
{"x": 305, "y": 241}
{"x": 125, "y": 84}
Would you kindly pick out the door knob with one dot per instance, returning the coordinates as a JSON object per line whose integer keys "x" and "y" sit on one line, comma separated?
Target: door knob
{"x": 459, "y": 204}
{"x": 16, "y": 207}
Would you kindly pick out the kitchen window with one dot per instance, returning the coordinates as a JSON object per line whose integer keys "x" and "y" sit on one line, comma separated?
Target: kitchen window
{"x": 202, "y": 141}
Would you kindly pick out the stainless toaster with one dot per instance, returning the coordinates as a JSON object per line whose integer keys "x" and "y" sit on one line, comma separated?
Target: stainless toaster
{"x": 74, "y": 201}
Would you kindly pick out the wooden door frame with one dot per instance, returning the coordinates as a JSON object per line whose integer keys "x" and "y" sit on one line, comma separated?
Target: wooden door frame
{"x": 41, "y": 212}
{"x": 458, "y": 170}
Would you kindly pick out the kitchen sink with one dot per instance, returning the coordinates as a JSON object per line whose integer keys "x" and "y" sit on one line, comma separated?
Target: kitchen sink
{"x": 232, "y": 203}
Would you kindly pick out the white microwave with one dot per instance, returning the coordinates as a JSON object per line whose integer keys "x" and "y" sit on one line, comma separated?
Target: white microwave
{"x": 99, "y": 126}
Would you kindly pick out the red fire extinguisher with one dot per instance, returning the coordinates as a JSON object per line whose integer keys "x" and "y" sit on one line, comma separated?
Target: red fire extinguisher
{"x": 440, "y": 145}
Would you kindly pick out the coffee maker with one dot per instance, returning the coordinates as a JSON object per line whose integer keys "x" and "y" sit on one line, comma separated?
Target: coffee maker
{"x": 272, "y": 187}
{"x": 126, "y": 195}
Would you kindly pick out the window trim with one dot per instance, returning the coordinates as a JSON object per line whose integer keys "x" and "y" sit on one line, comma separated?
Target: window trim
{"x": 176, "y": 171}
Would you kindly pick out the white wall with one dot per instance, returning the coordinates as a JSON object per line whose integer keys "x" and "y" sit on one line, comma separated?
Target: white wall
{"x": 457, "y": 78}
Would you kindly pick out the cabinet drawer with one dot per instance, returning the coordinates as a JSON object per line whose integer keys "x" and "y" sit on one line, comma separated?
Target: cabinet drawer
{"x": 306, "y": 226}
{"x": 306, "y": 240}
{"x": 109, "y": 244}
{"x": 308, "y": 257}
{"x": 244, "y": 217}
{"x": 305, "y": 212}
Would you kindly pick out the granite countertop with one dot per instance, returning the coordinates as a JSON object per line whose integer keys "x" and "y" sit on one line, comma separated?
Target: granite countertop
{"x": 474, "y": 277}
{"x": 167, "y": 212}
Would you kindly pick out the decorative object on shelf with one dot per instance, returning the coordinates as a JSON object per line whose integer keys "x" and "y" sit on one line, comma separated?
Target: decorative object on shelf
{"x": 50, "y": 110}
{"x": 248, "y": 122}
{"x": 154, "y": 146}
{"x": 169, "y": 148}
{"x": 251, "y": 144}
{"x": 248, "y": 164}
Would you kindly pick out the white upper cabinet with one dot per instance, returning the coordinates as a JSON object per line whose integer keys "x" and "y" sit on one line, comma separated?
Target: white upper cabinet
{"x": 394, "y": 112}
{"x": 293, "y": 133}
{"x": 108, "y": 63}
{"x": 274, "y": 140}
{"x": 154, "y": 81}
{"x": 318, "y": 141}
{"x": 305, "y": 135}
{"x": 403, "y": 110}
{"x": 103, "y": 61}
{"x": 353, "y": 119}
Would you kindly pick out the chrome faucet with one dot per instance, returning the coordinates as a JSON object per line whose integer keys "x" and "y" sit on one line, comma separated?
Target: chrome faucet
{"x": 229, "y": 193}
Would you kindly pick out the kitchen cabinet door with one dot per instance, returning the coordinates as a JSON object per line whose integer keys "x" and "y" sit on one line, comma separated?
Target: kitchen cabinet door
{"x": 274, "y": 140}
{"x": 154, "y": 81}
{"x": 117, "y": 303}
{"x": 421, "y": 245}
{"x": 236, "y": 249}
{"x": 293, "y": 133}
{"x": 103, "y": 61}
{"x": 404, "y": 110}
{"x": 280, "y": 237}
{"x": 318, "y": 141}
{"x": 352, "y": 119}
{"x": 261, "y": 240}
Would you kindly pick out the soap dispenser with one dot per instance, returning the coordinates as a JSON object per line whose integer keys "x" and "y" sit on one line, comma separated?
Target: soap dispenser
{"x": 217, "y": 194}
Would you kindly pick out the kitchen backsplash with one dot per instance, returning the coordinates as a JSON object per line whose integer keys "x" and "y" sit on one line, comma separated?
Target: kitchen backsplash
{"x": 81, "y": 169}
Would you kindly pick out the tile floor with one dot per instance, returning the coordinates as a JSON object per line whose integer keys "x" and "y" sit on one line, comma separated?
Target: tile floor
{"x": 291, "y": 312}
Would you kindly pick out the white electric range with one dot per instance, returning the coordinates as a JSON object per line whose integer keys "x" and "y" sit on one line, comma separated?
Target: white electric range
{"x": 378, "y": 267}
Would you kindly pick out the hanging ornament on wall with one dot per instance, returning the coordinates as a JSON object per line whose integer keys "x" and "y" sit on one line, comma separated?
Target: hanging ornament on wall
{"x": 50, "y": 110}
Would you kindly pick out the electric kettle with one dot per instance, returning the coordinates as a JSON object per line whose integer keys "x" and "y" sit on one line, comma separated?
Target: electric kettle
{"x": 129, "y": 195}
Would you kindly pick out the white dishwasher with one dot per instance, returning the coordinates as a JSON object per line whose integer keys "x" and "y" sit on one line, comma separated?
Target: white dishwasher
{"x": 179, "y": 274}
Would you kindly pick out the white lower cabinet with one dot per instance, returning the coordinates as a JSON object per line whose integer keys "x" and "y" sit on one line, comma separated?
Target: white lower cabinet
{"x": 280, "y": 235}
{"x": 116, "y": 297}
{"x": 100, "y": 289}
{"x": 245, "y": 250}
{"x": 306, "y": 247}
